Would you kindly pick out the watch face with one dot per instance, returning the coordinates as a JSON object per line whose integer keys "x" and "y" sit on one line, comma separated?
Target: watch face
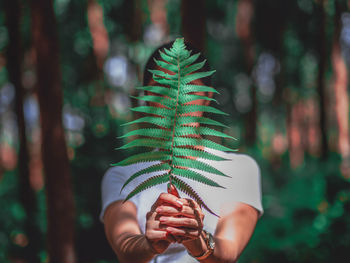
{"x": 211, "y": 242}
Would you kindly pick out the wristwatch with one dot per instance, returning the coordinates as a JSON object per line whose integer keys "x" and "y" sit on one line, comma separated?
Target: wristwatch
{"x": 209, "y": 240}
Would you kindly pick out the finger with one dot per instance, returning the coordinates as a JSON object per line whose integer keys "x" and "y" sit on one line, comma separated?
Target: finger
{"x": 179, "y": 221}
{"x": 171, "y": 199}
{"x": 155, "y": 235}
{"x": 172, "y": 211}
{"x": 184, "y": 232}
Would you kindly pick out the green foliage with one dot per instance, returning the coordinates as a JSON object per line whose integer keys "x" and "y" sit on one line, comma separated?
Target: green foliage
{"x": 175, "y": 130}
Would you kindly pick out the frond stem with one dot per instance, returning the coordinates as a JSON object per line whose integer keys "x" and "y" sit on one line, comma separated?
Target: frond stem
{"x": 174, "y": 124}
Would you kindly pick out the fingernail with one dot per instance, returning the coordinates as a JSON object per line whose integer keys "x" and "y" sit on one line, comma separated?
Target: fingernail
{"x": 162, "y": 219}
{"x": 158, "y": 210}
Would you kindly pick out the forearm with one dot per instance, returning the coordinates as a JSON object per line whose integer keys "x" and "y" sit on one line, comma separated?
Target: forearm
{"x": 132, "y": 248}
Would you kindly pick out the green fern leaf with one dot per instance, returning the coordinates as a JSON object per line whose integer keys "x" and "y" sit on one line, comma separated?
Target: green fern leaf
{"x": 192, "y": 68}
{"x": 194, "y": 176}
{"x": 189, "y": 191}
{"x": 189, "y": 78}
{"x": 189, "y": 60}
{"x": 154, "y": 168}
{"x": 176, "y": 132}
{"x": 166, "y": 65}
{"x": 145, "y": 157}
{"x": 153, "y": 143}
{"x": 195, "y": 164}
{"x": 163, "y": 74}
{"x": 163, "y": 112}
{"x": 186, "y": 152}
{"x": 197, "y": 88}
{"x": 167, "y": 102}
{"x": 181, "y": 141}
{"x": 171, "y": 93}
{"x": 187, "y": 120}
{"x": 149, "y": 132}
{"x": 152, "y": 181}
{"x": 185, "y": 131}
{"x": 189, "y": 98}
{"x": 183, "y": 109}
{"x": 162, "y": 122}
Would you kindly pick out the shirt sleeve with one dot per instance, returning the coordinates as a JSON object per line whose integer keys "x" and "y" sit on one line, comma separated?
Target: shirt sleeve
{"x": 246, "y": 183}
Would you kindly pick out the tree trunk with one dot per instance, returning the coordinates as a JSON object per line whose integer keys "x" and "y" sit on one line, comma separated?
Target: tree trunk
{"x": 245, "y": 12}
{"x": 132, "y": 20}
{"x": 60, "y": 205}
{"x": 322, "y": 55}
{"x": 26, "y": 193}
{"x": 340, "y": 88}
{"x": 98, "y": 32}
{"x": 193, "y": 20}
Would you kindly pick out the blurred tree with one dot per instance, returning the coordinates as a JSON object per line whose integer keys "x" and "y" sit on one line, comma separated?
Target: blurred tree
{"x": 132, "y": 20}
{"x": 98, "y": 33}
{"x": 244, "y": 20}
{"x": 193, "y": 26}
{"x": 60, "y": 204}
{"x": 26, "y": 192}
{"x": 321, "y": 85}
{"x": 340, "y": 86}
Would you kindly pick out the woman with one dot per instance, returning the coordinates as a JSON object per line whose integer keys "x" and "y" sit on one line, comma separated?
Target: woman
{"x": 162, "y": 227}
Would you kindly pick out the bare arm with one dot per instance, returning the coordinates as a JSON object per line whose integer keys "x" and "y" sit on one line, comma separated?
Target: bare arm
{"x": 125, "y": 237}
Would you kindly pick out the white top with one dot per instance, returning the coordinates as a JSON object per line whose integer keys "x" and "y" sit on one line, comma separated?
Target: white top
{"x": 243, "y": 186}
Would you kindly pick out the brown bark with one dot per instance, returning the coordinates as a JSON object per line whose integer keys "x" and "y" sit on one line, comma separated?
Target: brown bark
{"x": 340, "y": 89}
{"x": 60, "y": 205}
{"x": 98, "y": 32}
{"x": 133, "y": 20}
{"x": 26, "y": 193}
{"x": 245, "y": 13}
{"x": 193, "y": 20}
{"x": 321, "y": 87}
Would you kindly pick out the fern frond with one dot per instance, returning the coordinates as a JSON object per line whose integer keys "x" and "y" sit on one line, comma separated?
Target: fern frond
{"x": 149, "y": 132}
{"x": 145, "y": 157}
{"x": 198, "y": 165}
{"x": 186, "y": 120}
{"x": 189, "y": 60}
{"x": 186, "y": 152}
{"x": 163, "y": 74}
{"x": 183, "y": 109}
{"x": 150, "y": 169}
{"x": 165, "y": 101}
{"x": 150, "y": 182}
{"x": 166, "y": 65}
{"x": 185, "y": 131}
{"x": 181, "y": 141}
{"x": 194, "y": 176}
{"x": 182, "y": 186}
{"x": 196, "y": 88}
{"x": 163, "y": 112}
{"x": 189, "y": 98}
{"x": 192, "y": 68}
{"x": 162, "y": 122}
{"x": 171, "y": 93}
{"x": 153, "y": 143}
{"x": 175, "y": 130}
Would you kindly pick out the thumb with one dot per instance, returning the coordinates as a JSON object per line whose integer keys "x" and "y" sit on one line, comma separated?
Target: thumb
{"x": 172, "y": 190}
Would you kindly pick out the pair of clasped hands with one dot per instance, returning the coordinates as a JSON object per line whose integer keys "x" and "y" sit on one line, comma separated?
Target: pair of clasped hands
{"x": 173, "y": 219}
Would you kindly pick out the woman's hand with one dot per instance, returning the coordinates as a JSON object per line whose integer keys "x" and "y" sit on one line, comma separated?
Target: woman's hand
{"x": 156, "y": 233}
{"x": 184, "y": 222}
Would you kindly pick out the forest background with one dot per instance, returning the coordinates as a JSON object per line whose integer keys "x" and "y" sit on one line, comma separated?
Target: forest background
{"x": 67, "y": 69}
